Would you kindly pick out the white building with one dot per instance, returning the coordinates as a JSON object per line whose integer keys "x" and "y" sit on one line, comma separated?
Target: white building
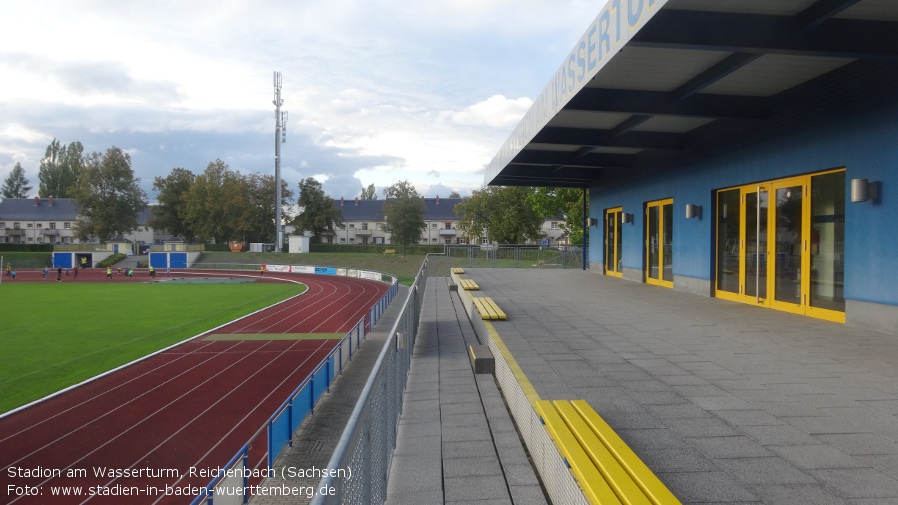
{"x": 364, "y": 224}
{"x": 52, "y": 221}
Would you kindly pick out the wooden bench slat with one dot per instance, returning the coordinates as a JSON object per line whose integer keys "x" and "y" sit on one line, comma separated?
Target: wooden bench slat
{"x": 653, "y": 488}
{"x": 500, "y": 314}
{"x": 457, "y": 270}
{"x": 468, "y": 284}
{"x": 616, "y": 476}
{"x": 484, "y": 309}
{"x": 594, "y": 486}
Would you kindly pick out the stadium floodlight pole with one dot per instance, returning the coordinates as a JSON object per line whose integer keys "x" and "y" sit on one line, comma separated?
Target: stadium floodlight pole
{"x": 280, "y": 136}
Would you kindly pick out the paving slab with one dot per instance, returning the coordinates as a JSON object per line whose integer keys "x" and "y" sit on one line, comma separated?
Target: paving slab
{"x": 771, "y": 407}
{"x": 456, "y": 442}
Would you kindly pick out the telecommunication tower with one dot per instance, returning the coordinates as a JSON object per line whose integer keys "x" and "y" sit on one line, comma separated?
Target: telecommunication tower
{"x": 280, "y": 136}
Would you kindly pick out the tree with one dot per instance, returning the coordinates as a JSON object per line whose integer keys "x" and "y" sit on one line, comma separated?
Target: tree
{"x": 256, "y": 220}
{"x": 171, "y": 212}
{"x": 108, "y": 197}
{"x": 502, "y": 214}
{"x": 369, "y": 193}
{"x": 566, "y": 202}
{"x": 214, "y": 204}
{"x": 404, "y": 214}
{"x": 60, "y": 169}
{"x": 16, "y": 185}
{"x": 317, "y": 212}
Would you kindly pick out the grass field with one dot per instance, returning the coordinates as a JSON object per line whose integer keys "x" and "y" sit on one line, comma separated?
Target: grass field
{"x": 403, "y": 267}
{"x": 56, "y": 335}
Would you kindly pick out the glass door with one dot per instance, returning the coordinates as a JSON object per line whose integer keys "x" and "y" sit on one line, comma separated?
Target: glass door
{"x": 787, "y": 244}
{"x": 754, "y": 264}
{"x": 613, "y": 222}
{"x": 789, "y": 216}
{"x": 659, "y": 243}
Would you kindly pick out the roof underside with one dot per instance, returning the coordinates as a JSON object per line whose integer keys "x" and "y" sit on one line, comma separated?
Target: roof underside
{"x": 704, "y": 70}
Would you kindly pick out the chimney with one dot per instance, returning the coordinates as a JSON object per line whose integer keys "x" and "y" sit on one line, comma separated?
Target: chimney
{"x": 356, "y": 201}
{"x": 341, "y": 201}
{"x": 51, "y": 200}
{"x": 37, "y": 201}
{"x": 437, "y": 200}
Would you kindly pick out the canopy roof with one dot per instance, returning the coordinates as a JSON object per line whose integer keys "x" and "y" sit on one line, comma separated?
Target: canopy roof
{"x": 656, "y": 84}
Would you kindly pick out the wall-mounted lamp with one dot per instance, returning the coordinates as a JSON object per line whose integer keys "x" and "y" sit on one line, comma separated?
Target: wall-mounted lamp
{"x": 862, "y": 190}
{"x": 626, "y": 218}
{"x": 593, "y": 221}
{"x": 693, "y": 210}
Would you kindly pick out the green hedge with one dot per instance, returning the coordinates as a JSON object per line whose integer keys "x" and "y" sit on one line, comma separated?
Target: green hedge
{"x": 374, "y": 248}
{"x": 26, "y": 247}
{"x": 218, "y": 247}
{"x": 112, "y": 260}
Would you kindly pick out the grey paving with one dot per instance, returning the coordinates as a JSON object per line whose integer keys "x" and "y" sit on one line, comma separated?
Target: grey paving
{"x": 456, "y": 441}
{"x": 725, "y": 402}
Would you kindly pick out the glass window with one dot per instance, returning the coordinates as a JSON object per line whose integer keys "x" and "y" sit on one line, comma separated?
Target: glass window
{"x": 828, "y": 241}
{"x": 728, "y": 207}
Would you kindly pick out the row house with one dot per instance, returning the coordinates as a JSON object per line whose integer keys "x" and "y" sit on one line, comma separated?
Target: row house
{"x": 52, "y": 221}
{"x": 364, "y": 224}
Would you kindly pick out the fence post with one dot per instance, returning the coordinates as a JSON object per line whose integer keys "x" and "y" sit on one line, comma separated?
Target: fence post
{"x": 312, "y": 395}
{"x": 245, "y": 474}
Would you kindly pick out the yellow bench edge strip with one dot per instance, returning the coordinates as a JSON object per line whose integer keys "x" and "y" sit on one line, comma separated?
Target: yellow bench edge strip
{"x": 617, "y": 477}
{"x": 594, "y": 486}
{"x": 653, "y": 488}
{"x": 520, "y": 376}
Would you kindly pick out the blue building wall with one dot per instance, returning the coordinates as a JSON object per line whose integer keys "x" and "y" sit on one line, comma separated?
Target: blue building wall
{"x": 866, "y": 144}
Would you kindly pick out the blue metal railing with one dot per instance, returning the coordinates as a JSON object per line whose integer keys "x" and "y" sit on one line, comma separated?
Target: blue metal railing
{"x": 301, "y": 403}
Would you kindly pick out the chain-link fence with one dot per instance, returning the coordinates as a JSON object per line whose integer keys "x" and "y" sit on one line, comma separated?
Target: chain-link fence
{"x": 515, "y": 256}
{"x": 360, "y": 464}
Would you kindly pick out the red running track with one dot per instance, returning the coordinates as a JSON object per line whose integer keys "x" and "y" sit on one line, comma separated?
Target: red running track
{"x": 194, "y": 405}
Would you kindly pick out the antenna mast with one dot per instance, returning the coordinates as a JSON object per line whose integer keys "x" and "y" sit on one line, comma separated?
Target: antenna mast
{"x": 280, "y": 136}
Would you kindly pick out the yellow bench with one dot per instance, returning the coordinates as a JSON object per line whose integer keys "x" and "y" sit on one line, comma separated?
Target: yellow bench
{"x": 468, "y": 284}
{"x": 457, "y": 270}
{"x": 607, "y": 470}
{"x": 389, "y": 251}
{"x": 487, "y": 308}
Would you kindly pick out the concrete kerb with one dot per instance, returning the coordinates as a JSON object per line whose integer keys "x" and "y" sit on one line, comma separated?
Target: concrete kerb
{"x": 520, "y": 395}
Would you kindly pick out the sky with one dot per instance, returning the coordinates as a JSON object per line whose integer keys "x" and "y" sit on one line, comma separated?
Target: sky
{"x": 376, "y": 91}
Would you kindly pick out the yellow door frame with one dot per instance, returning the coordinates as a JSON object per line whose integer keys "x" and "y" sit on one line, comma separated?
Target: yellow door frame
{"x": 768, "y": 255}
{"x": 613, "y": 220}
{"x": 662, "y": 252}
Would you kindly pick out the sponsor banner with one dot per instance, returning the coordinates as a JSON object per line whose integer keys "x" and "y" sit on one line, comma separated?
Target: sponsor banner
{"x": 302, "y": 270}
{"x": 341, "y": 272}
{"x": 352, "y": 273}
{"x": 371, "y": 276}
{"x": 277, "y": 268}
{"x": 325, "y": 271}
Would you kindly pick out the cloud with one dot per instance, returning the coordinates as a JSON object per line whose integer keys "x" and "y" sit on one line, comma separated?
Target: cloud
{"x": 377, "y": 92}
{"x": 496, "y": 111}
